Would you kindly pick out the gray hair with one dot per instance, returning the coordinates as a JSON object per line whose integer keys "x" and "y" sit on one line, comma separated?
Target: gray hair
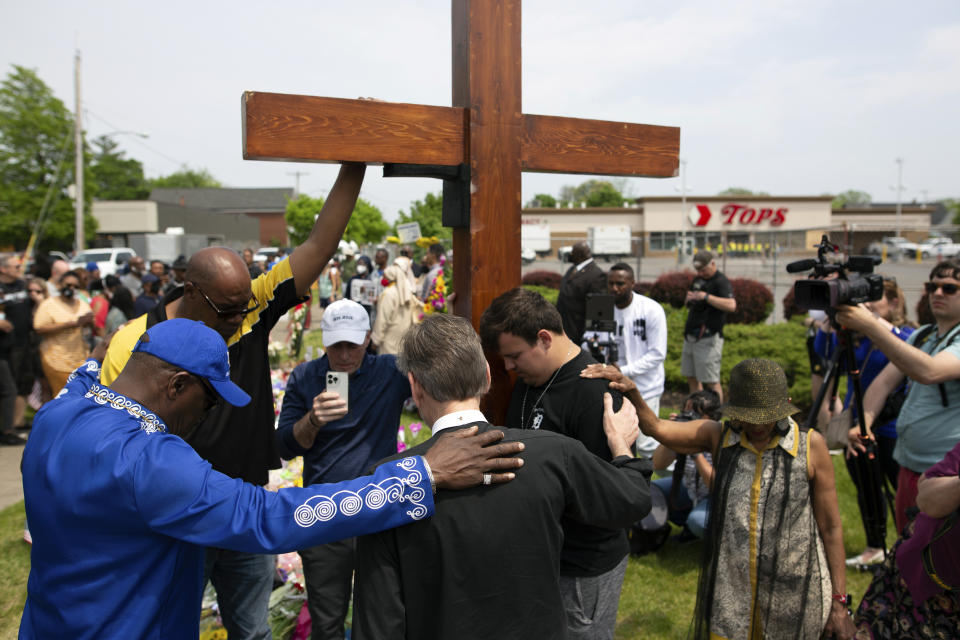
{"x": 444, "y": 355}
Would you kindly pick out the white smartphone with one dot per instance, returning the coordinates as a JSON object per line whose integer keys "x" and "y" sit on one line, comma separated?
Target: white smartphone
{"x": 339, "y": 382}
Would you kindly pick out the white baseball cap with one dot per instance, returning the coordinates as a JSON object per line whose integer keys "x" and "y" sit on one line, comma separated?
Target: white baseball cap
{"x": 344, "y": 320}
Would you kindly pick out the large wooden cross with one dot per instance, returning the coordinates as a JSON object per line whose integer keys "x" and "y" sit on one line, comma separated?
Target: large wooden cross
{"x": 480, "y": 146}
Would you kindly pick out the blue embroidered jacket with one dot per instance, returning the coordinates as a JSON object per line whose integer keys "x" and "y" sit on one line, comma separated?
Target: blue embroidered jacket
{"x": 120, "y": 511}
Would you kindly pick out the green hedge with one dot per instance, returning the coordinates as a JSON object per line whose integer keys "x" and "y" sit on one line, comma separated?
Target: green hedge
{"x": 784, "y": 342}
{"x": 546, "y": 292}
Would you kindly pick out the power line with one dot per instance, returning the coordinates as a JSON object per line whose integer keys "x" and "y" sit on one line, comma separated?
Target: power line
{"x": 136, "y": 139}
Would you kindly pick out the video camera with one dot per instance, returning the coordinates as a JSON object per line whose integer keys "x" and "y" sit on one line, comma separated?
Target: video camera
{"x": 855, "y": 281}
{"x": 600, "y": 320}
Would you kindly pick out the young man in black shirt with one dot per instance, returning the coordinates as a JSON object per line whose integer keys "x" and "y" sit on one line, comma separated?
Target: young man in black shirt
{"x": 527, "y": 332}
{"x": 506, "y": 539}
{"x": 710, "y": 297}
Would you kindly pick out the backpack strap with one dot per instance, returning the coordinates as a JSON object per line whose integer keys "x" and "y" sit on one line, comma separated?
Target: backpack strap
{"x": 950, "y": 336}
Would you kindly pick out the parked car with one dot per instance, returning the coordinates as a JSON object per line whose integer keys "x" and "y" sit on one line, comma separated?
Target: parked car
{"x": 895, "y": 245}
{"x": 527, "y": 255}
{"x": 934, "y": 247}
{"x": 108, "y": 259}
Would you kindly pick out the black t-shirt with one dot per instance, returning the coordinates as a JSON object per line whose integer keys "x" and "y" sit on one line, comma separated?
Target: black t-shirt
{"x": 15, "y": 304}
{"x": 239, "y": 441}
{"x": 573, "y": 406}
{"x": 704, "y": 319}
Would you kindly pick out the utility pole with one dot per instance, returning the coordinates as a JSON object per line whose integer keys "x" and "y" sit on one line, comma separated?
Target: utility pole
{"x": 78, "y": 143}
{"x": 296, "y": 189}
{"x": 899, "y": 162}
{"x": 682, "y": 254}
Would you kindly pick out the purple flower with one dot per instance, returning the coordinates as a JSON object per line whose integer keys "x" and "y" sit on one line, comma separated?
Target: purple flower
{"x": 415, "y": 427}
{"x": 401, "y": 447}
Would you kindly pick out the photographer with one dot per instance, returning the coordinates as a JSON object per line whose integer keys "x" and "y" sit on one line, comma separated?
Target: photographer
{"x": 709, "y": 298}
{"x": 688, "y": 489}
{"x": 890, "y": 310}
{"x": 929, "y": 422}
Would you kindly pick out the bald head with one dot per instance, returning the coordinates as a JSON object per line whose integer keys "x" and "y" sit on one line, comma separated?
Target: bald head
{"x": 216, "y": 286}
{"x": 217, "y": 267}
{"x": 57, "y": 269}
{"x": 580, "y": 252}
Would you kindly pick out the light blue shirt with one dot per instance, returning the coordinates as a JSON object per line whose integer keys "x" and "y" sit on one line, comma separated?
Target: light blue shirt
{"x": 926, "y": 430}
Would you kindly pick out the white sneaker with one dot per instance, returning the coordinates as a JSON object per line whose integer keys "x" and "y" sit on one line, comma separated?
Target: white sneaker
{"x": 867, "y": 558}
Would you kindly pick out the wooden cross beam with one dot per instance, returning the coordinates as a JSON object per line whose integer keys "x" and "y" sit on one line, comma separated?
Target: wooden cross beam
{"x": 485, "y": 133}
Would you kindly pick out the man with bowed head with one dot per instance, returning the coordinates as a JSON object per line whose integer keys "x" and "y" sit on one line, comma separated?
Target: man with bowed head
{"x": 337, "y": 443}
{"x": 122, "y": 507}
{"x": 488, "y": 563}
{"x": 218, "y": 291}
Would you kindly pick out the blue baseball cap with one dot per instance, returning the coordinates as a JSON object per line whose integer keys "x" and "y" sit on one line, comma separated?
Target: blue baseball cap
{"x": 194, "y": 347}
{"x": 148, "y": 278}
{"x": 92, "y": 266}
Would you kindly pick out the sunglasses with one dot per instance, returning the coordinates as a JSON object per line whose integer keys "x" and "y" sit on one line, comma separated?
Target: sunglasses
{"x": 948, "y": 287}
{"x": 211, "y": 397}
{"x": 230, "y": 313}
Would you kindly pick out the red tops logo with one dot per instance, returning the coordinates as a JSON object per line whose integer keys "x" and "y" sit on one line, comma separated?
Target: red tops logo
{"x": 741, "y": 213}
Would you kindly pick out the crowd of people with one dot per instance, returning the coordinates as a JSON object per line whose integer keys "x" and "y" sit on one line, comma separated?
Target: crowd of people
{"x": 146, "y": 472}
{"x": 51, "y": 316}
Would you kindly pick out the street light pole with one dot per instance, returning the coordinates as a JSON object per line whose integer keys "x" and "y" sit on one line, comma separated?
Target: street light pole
{"x": 79, "y": 240}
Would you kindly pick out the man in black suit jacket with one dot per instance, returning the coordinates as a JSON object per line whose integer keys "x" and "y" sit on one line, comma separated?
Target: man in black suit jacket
{"x": 487, "y": 564}
{"x": 583, "y": 278}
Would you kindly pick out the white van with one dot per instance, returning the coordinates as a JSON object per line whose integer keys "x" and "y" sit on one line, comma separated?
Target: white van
{"x": 108, "y": 259}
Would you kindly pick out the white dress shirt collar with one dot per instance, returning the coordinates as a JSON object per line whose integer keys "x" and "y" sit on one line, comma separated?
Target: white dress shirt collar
{"x": 456, "y": 419}
{"x": 583, "y": 264}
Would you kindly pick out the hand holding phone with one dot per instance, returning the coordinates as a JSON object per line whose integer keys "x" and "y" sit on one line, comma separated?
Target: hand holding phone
{"x": 338, "y": 382}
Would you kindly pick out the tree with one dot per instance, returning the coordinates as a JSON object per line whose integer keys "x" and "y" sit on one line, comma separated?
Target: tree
{"x": 850, "y": 197}
{"x": 37, "y": 157}
{"x": 543, "y": 200}
{"x": 186, "y": 178}
{"x": 429, "y": 213}
{"x": 740, "y": 191}
{"x": 592, "y": 193}
{"x": 366, "y": 222}
{"x": 953, "y": 209}
{"x": 114, "y": 176}
{"x": 301, "y": 213}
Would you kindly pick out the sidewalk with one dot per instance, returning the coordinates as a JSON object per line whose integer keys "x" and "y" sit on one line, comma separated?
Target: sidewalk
{"x": 11, "y": 488}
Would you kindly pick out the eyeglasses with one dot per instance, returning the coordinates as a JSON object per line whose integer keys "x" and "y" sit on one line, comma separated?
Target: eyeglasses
{"x": 948, "y": 287}
{"x": 230, "y": 313}
{"x": 211, "y": 397}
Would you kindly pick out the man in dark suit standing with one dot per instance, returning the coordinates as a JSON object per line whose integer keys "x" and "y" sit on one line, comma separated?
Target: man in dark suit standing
{"x": 487, "y": 564}
{"x": 583, "y": 278}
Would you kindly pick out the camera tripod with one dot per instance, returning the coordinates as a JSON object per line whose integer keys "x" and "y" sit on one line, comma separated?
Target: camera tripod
{"x": 871, "y": 488}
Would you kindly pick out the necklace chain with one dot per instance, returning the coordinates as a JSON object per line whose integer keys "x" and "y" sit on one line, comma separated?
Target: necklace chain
{"x": 523, "y": 405}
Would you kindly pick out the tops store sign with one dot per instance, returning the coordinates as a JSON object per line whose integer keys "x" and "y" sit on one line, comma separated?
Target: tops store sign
{"x": 740, "y": 215}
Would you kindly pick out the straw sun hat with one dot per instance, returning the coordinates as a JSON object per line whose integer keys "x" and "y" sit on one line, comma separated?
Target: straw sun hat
{"x": 758, "y": 393}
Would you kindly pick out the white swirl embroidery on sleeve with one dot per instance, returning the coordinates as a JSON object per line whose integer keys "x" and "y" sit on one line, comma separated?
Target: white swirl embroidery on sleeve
{"x": 400, "y": 488}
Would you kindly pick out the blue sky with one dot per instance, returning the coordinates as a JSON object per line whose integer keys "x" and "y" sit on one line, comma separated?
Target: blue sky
{"x": 793, "y": 98}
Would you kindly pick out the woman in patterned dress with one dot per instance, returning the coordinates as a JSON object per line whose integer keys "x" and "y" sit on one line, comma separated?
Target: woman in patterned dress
{"x": 773, "y": 563}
